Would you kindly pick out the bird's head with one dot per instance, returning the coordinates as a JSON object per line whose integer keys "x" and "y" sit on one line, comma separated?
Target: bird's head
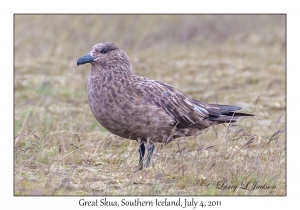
{"x": 107, "y": 56}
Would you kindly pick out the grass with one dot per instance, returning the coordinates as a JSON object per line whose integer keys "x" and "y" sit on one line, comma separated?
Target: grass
{"x": 60, "y": 149}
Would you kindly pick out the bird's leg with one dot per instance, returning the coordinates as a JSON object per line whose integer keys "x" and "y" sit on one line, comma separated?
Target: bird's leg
{"x": 150, "y": 152}
{"x": 142, "y": 153}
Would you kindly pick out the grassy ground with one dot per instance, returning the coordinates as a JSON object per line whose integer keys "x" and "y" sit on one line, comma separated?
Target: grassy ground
{"x": 60, "y": 149}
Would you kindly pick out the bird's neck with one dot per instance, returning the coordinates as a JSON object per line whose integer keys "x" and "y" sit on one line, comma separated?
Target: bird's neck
{"x": 111, "y": 74}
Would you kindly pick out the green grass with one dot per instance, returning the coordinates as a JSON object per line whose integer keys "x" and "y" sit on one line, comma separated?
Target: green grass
{"x": 60, "y": 149}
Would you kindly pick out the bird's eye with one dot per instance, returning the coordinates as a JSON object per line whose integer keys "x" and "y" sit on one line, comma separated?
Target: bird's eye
{"x": 104, "y": 51}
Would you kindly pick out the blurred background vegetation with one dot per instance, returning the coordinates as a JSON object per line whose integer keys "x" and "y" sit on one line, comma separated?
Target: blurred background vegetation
{"x": 226, "y": 59}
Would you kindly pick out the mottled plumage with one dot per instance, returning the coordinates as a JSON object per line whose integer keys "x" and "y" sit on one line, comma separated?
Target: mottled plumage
{"x": 143, "y": 109}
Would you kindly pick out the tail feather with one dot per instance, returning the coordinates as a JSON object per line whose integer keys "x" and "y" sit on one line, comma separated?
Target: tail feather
{"x": 228, "y": 109}
{"x": 223, "y": 119}
{"x": 228, "y": 114}
{"x": 239, "y": 114}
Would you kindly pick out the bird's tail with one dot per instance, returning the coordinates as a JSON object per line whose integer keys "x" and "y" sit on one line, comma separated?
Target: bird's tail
{"x": 228, "y": 114}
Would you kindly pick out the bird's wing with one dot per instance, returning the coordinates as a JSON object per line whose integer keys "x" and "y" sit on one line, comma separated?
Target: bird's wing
{"x": 182, "y": 108}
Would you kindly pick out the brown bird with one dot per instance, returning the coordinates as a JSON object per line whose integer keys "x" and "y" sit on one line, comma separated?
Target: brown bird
{"x": 143, "y": 109}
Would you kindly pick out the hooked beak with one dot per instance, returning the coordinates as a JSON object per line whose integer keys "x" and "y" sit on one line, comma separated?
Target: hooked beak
{"x": 86, "y": 59}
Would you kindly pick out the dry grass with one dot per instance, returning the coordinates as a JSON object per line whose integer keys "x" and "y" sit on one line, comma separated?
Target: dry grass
{"x": 60, "y": 149}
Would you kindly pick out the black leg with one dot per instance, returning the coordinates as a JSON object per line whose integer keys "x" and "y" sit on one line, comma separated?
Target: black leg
{"x": 150, "y": 152}
{"x": 142, "y": 153}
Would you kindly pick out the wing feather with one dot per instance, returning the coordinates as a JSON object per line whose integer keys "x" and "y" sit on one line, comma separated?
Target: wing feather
{"x": 179, "y": 106}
